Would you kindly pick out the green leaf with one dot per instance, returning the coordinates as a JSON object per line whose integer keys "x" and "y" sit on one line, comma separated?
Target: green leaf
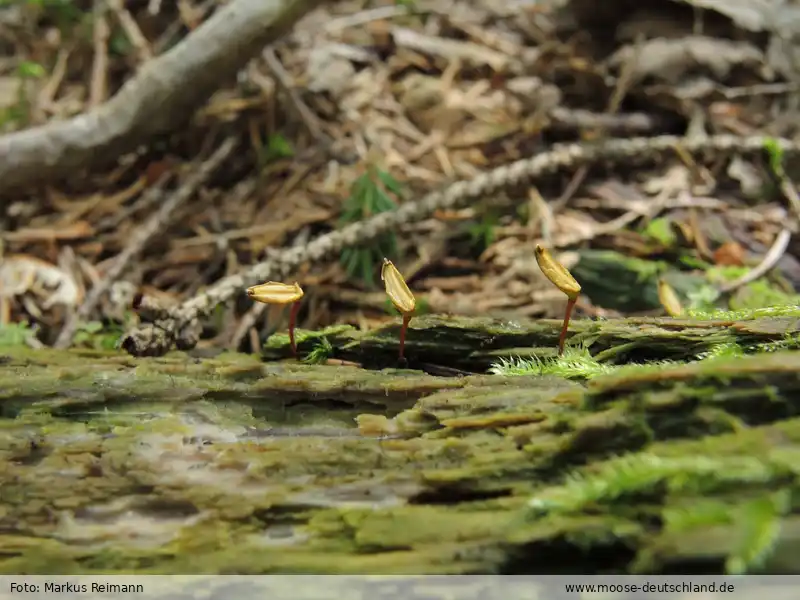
{"x": 351, "y": 261}
{"x": 383, "y": 203}
{"x": 367, "y": 266}
{"x": 390, "y": 182}
{"x": 693, "y": 262}
{"x": 30, "y": 70}
{"x": 661, "y": 231}
{"x": 775, "y": 153}
{"x": 278, "y": 147}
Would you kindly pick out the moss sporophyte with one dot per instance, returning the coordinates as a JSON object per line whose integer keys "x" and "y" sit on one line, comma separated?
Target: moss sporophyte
{"x": 560, "y": 277}
{"x": 578, "y": 362}
{"x": 401, "y": 297}
{"x": 274, "y": 292}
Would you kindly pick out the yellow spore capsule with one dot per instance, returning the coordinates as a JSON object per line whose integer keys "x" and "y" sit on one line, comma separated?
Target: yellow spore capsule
{"x": 557, "y": 273}
{"x": 397, "y": 289}
{"x": 669, "y": 299}
{"x": 275, "y": 292}
{"x": 401, "y": 297}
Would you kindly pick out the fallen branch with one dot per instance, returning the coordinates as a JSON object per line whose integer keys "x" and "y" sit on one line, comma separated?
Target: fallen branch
{"x": 164, "y": 94}
{"x": 177, "y": 325}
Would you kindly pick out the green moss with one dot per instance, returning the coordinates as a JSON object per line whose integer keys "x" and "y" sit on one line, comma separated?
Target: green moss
{"x": 233, "y": 465}
{"x": 789, "y": 342}
{"x": 575, "y": 363}
{"x": 13, "y": 335}
{"x": 696, "y": 512}
{"x": 578, "y": 363}
{"x": 321, "y": 352}
{"x": 747, "y": 314}
{"x": 761, "y": 524}
{"x": 306, "y": 338}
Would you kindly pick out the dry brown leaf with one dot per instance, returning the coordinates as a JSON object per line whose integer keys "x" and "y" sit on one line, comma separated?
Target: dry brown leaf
{"x": 730, "y": 254}
{"x": 328, "y": 72}
{"x": 22, "y": 275}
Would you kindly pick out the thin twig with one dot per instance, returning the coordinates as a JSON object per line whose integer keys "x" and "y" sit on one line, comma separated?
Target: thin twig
{"x": 131, "y": 29}
{"x": 158, "y": 222}
{"x": 151, "y": 196}
{"x": 44, "y": 101}
{"x": 98, "y": 88}
{"x": 170, "y": 33}
{"x": 283, "y": 79}
{"x": 575, "y": 182}
{"x": 364, "y": 17}
{"x": 771, "y": 258}
{"x": 161, "y": 97}
{"x": 633, "y": 123}
{"x": 790, "y": 193}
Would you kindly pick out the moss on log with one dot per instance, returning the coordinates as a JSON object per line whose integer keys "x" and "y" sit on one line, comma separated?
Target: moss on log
{"x": 475, "y": 343}
{"x": 232, "y": 465}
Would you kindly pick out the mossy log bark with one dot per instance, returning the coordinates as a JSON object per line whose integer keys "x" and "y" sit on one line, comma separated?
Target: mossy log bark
{"x": 231, "y": 465}
{"x": 475, "y": 343}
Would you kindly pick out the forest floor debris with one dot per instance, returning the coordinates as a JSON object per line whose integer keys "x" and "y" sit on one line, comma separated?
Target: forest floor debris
{"x": 362, "y": 108}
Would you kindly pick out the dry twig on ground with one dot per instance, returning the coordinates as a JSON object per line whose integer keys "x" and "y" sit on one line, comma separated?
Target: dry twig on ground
{"x": 158, "y": 222}
{"x": 163, "y": 94}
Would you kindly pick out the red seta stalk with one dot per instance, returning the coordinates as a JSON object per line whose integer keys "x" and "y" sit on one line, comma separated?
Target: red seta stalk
{"x": 562, "y": 339}
{"x": 406, "y": 319}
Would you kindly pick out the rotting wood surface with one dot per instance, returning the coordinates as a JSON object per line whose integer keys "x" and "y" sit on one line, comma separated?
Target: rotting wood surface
{"x": 232, "y": 465}
{"x": 474, "y": 343}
